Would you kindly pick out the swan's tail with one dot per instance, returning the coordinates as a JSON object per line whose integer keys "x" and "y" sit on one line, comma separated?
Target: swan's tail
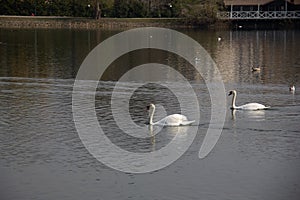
{"x": 185, "y": 123}
{"x": 266, "y": 107}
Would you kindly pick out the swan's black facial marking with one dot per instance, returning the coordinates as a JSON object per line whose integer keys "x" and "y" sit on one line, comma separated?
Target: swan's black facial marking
{"x": 230, "y": 93}
{"x": 148, "y": 107}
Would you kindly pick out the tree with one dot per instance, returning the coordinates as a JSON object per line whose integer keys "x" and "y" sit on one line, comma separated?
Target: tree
{"x": 98, "y": 10}
{"x": 200, "y": 11}
{"x": 193, "y": 10}
{"x": 129, "y": 8}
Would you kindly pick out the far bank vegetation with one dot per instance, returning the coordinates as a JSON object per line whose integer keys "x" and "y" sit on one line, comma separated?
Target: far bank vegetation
{"x": 194, "y": 11}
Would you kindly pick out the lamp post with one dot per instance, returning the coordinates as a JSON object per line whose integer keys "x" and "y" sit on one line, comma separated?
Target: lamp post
{"x": 88, "y": 10}
{"x": 171, "y": 6}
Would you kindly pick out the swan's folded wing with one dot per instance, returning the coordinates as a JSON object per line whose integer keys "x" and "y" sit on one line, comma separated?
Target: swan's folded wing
{"x": 253, "y": 106}
{"x": 176, "y": 120}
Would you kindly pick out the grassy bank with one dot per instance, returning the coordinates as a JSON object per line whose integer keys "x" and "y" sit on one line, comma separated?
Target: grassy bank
{"x": 111, "y": 23}
{"x": 127, "y": 23}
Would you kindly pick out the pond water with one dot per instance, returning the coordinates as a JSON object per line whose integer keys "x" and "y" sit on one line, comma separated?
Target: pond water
{"x": 42, "y": 156}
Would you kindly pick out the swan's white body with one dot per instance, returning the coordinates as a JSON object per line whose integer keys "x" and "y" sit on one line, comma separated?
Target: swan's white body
{"x": 171, "y": 120}
{"x": 248, "y": 106}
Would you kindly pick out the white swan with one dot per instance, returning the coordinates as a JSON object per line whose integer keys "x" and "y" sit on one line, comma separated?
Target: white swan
{"x": 248, "y": 106}
{"x": 171, "y": 120}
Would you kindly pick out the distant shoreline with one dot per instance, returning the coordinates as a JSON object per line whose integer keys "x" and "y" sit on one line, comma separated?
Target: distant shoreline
{"x": 29, "y": 22}
{"x": 103, "y": 23}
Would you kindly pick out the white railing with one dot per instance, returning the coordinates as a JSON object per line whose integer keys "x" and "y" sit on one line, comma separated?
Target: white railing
{"x": 259, "y": 15}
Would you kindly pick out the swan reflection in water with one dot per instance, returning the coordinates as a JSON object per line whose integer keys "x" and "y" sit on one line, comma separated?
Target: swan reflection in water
{"x": 152, "y": 137}
{"x": 256, "y": 115}
{"x": 178, "y": 134}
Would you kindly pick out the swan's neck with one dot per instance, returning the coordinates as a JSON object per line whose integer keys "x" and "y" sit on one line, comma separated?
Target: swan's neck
{"x": 151, "y": 115}
{"x": 233, "y": 100}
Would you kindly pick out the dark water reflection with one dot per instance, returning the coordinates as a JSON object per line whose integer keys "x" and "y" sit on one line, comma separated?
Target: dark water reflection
{"x": 46, "y": 53}
{"x": 59, "y": 53}
{"x": 42, "y": 157}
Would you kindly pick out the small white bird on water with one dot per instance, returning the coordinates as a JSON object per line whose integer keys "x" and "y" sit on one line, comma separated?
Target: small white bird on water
{"x": 292, "y": 88}
{"x": 255, "y": 69}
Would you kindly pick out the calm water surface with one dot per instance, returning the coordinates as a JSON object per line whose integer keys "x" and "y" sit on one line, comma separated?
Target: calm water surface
{"x": 42, "y": 156}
